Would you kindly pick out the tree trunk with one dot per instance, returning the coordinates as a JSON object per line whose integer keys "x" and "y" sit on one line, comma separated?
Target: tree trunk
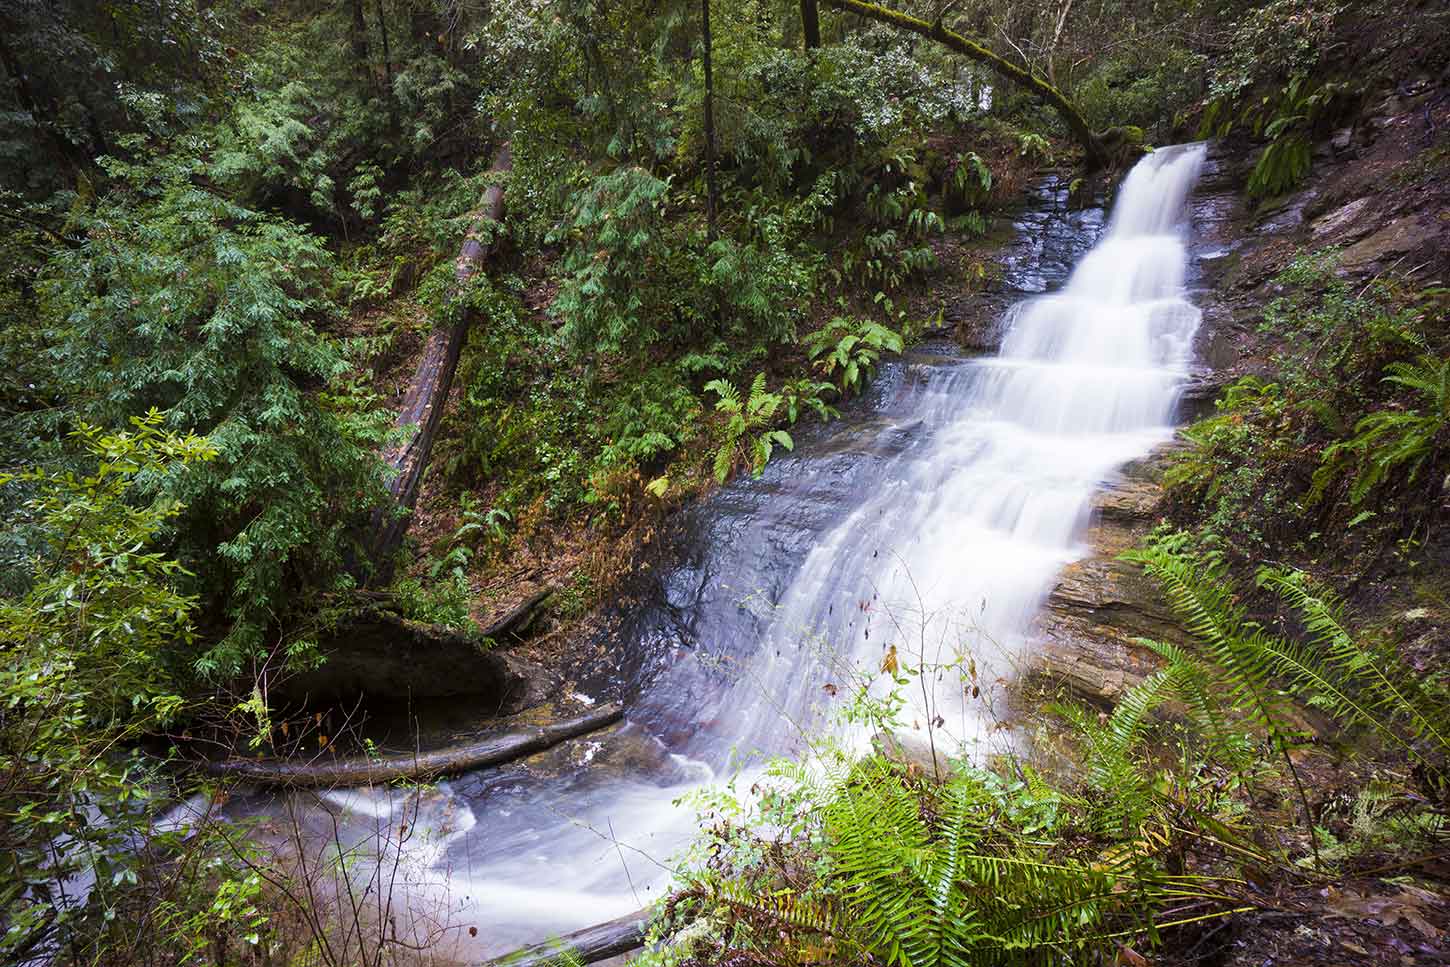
{"x": 1096, "y": 155}
{"x": 358, "y": 39}
{"x": 712, "y": 198}
{"x": 327, "y": 772}
{"x": 587, "y": 946}
{"x": 1062, "y": 16}
{"x": 811, "y": 23}
{"x": 423, "y": 405}
{"x": 387, "y": 50}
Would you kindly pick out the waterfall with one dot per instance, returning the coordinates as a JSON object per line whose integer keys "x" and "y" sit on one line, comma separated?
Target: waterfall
{"x": 950, "y": 560}
{"x": 959, "y": 511}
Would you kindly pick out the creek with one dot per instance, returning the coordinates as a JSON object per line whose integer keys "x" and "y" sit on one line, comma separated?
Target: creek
{"x": 928, "y": 524}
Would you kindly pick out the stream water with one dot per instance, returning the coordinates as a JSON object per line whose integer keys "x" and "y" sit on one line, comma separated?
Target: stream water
{"x": 932, "y": 521}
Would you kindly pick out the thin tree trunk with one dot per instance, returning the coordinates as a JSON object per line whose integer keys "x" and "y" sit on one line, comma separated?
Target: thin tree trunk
{"x": 387, "y": 52}
{"x": 428, "y": 393}
{"x": 1056, "y": 39}
{"x": 1092, "y": 145}
{"x": 711, "y": 197}
{"x": 358, "y": 38}
{"x": 811, "y": 23}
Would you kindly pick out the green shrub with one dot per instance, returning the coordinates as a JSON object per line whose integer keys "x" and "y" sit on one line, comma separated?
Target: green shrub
{"x": 1392, "y": 444}
{"x": 1332, "y": 428}
{"x": 749, "y": 429}
{"x": 95, "y": 658}
{"x": 618, "y": 292}
{"x": 206, "y": 310}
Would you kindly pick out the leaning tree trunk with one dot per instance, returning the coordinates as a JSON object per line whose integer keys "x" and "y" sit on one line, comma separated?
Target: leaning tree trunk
{"x": 1096, "y": 153}
{"x": 423, "y": 405}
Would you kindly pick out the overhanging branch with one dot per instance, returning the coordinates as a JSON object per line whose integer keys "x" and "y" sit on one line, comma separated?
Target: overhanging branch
{"x": 1092, "y": 145}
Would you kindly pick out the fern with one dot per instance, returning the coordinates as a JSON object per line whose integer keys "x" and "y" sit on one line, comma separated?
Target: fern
{"x": 1283, "y": 165}
{"x": 849, "y": 349}
{"x": 790, "y": 908}
{"x": 1388, "y": 442}
{"x": 953, "y": 881}
{"x": 1356, "y": 683}
{"x": 1242, "y": 665}
{"x": 750, "y": 430}
{"x": 1287, "y": 158}
{"x": 1204, "y": 598}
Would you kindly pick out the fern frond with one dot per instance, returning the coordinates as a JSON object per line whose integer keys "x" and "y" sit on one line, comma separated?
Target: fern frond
{"x": 790, "y": 908}
{"x": 1358, "y": 683}
{"x": 1201, "y": 594}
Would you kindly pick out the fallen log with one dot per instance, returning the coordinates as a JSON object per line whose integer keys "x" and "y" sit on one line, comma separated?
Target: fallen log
{"x": 516, "y": 622}
{"x": 489, "y": 750}
{"x": 423, "y": 405}
{"x": 587, "y": 946}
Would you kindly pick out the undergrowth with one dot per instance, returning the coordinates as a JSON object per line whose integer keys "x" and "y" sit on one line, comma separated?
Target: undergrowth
{"x": 1348, "y": 442}
{"x": 1184, "y": 796}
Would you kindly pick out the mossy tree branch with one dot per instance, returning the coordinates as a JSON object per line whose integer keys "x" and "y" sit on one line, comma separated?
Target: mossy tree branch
{"x": 1097, "y": 155}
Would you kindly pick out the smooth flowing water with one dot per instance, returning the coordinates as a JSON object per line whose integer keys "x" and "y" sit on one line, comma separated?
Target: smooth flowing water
{"x": 934, "y": 529}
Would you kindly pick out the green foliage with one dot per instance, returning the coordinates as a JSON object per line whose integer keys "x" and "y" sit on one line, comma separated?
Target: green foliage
{"x": 654, "y": 414}
{"x": 761, "y": 281}
{"x": 1394, "y": 443}
{"x": 88, "y": 73}
{"x": 1142, "y": 88}
{"x": 967, "y": 886}
{"x": 1283, "y": 164}
{"x": 187, "y": 302}
{"x": 1380, "y": 819}
{"x": 970, "y": 181}
{"x": 93, "y": 655}
{"x": 1035, "y": 147}
{"x": 1227, "y": 467}
{"x": 269, "y": 145}
{"x": 1239, "y": 653}
{"x": 1272, "y": 43}
{"x": 1288, "y": 126}
{"x": 975, "y": 870}
{"x": 1353, "y": 412}
{"x": 1241, "y": 664}
{"x": 749, "y": 429}
{"x": 444, "y": 599}
{"x": 847, "y": 350}
{"x": 481, "y": 526}
{"x": 616, "y": 277}
{"x": 1361, "y": 682}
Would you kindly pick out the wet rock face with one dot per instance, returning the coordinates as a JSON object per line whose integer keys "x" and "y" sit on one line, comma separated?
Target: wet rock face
{"x": 1403, "y": 237}
{"x": 1050, "y": 235}
{"x": 1084, "y": 635}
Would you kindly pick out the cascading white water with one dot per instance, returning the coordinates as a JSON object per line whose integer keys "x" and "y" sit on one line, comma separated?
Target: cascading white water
{"x": 954, "y": 556}
{"x": 973, "y": 511}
